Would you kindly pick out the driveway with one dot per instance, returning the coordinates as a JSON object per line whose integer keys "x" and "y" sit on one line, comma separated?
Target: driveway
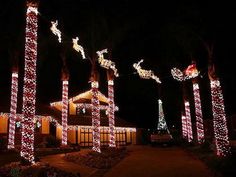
{"x": 147, "y": 161}
{"x": 143, "y": 161}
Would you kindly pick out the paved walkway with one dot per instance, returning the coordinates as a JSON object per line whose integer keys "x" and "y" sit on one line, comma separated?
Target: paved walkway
{"x": 143, "y": 161}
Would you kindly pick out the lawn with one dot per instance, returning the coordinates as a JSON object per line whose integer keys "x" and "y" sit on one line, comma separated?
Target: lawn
{"x": 221, "y": 166}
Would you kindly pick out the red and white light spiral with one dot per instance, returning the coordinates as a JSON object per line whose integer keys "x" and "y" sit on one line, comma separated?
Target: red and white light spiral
{"x": 111, "y": 111}
{"x": 95, "y": 117}
{"x": 198, "y": 113}
{"x": 12, "y": 121}
{"x": 184, "y": 127}
{"x": 189, "y": 122}
{"x": 29, "y": 90}
{"x": 64, "y": 111}
{"x": 219, "y": 119}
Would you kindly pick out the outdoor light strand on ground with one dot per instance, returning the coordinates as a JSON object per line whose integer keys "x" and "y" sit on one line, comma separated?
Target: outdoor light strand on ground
{"x": 188, "y": 120}
{"x": 12, "y": 119}
{"x": 198, "y": 113}
{"x": 78, "y": 47}
{"x": 55, "y": 30}
{"x": 219, "y": 119}
{"x": 64, "y": 110}
{"x": 111, "y": 115}
{"x": 95, "y": 117}
{"x": 145, "y": 74}
{"x": 29, "y": 90}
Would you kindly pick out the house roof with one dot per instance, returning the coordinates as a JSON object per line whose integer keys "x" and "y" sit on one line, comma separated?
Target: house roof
{"x": 83, "y": 118}
{"x": 87, "y": 96}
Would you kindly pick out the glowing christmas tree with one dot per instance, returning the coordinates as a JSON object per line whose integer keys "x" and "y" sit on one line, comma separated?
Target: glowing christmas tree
{"x": 161, "y": 122}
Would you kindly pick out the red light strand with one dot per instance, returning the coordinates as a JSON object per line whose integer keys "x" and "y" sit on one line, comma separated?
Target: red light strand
{"x": 64, "y": 111}
{"x": 219, "y": 119}
{"x": 198, "y": 113}
{"x": 111, "y": 110}
{"x": 189, "y": 123}
{"x": 95, "y": 117}
{"x": 29, "y": 90}
{"x": 12, "y": 120}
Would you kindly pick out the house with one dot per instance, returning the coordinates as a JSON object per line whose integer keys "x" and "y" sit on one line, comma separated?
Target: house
{"x": 48, "y": 122}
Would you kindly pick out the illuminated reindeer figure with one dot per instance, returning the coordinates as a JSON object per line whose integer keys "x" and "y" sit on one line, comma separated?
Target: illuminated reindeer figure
{"x": 55, "y": 30}
{"x": 78, "y": 47}
{"x": 108, "y": 64}
{"x": 145, "y": 74}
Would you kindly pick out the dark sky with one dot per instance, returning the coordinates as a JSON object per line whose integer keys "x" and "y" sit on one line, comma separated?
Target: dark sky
{"x": 165, "y": 34}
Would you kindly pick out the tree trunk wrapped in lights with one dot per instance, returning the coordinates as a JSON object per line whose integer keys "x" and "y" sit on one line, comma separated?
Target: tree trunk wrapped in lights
{"x": 198, "y": 112}
{"x": 184, "y": 126}
{"x": 189, "y": 122}
{"x": 111, "y": 109}
{"x": 29, "y": 90}
{"x": 95, "y": 111}
{"x": 218, "y": 109}
{"x": 12, "y": 120}
{"x": 65, "y": 102}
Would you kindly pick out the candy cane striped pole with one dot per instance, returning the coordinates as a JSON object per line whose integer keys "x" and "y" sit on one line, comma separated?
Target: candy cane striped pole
{"x": 95, "y": 117}
{"x": 12, "y": 120}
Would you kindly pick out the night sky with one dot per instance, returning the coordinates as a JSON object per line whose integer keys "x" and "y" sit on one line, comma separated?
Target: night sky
{"x": 166, "y": 34}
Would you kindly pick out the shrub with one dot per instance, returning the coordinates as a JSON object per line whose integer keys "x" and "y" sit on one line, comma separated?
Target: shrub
{"x": 3, "y": 144}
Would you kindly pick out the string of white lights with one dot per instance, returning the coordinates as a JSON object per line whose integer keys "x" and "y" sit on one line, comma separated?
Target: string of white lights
{"x": 111, "y": 113}
{"x": 184, "y": 127}
{"x": 95, "y": 117}
{"x": 189, "y": 122}
{"x": 55, "y": 30}
{"x": 219, "y": 119}
{"x": 105, "y": 63}
{"x": 198, "y": 113}
{"x": 145, "y": 74}
{"x": 29, "y": 90}
{"x": 78, "y": 47}
{"x": 12, "y": 119}
{"x": 64, "y": 111}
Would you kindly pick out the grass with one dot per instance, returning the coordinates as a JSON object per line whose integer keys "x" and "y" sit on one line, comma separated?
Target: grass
{"x": 9, "y": 156}
{"x": 221, "y": 166}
